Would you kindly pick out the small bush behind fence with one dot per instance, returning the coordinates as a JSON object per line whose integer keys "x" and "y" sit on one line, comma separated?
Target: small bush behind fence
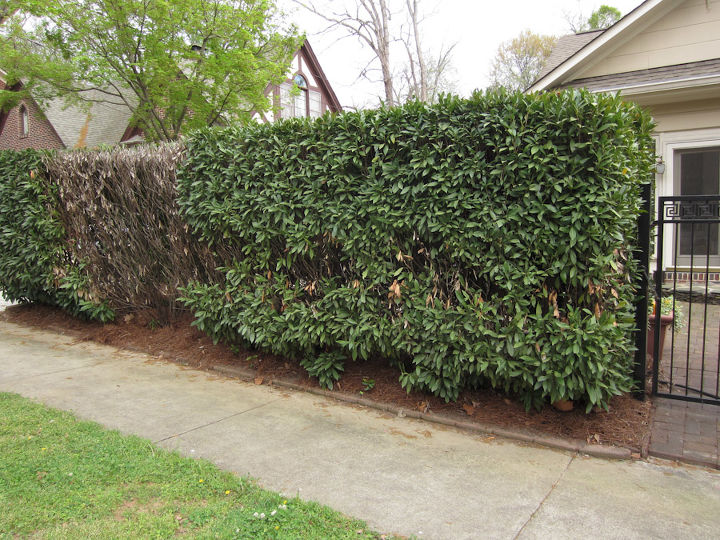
{"x": 34, "y": 265}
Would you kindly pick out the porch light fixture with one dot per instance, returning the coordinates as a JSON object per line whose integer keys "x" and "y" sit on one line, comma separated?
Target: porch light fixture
{"x": 660, "y": 166}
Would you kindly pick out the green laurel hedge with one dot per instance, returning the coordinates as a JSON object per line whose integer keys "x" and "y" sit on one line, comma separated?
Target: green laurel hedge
{"x": 477, "y": 241}
{"x": 34, "y": 264}
{"x": 30, "y": 235}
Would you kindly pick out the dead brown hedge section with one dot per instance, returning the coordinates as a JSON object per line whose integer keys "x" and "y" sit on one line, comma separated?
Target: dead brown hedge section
{"x": 119, "y": 212}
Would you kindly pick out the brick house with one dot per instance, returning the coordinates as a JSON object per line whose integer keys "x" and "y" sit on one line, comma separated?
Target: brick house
{"x": 58, "y": 126}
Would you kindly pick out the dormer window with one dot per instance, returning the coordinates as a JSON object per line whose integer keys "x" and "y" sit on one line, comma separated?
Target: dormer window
{"x": 24, "y": 121}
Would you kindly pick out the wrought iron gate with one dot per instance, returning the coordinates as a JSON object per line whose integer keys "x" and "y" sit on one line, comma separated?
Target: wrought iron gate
{"x": 685, "y": 325}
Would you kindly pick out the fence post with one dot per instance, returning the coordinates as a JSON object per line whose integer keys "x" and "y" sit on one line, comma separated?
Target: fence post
{"x": 642, "y": 255}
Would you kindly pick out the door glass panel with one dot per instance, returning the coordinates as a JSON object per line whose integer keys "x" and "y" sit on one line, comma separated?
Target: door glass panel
{"x": 697, "y": 172}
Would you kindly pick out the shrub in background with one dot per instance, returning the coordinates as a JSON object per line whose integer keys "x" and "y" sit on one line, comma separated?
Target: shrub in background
{"x": 479, "y": 241}
{"x": 34, "y": 265}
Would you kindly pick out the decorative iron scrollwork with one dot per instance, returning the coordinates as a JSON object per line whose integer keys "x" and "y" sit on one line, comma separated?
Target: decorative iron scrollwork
{"x": 703, "y": 210}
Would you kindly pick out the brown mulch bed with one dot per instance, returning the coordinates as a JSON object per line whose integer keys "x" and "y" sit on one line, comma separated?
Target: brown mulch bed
{"x": 626, "y": 424}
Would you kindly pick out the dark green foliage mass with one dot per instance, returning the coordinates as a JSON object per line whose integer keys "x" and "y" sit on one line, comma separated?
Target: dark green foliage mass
{"x": 34, "y": 265}
{"x": 472, "y": 242}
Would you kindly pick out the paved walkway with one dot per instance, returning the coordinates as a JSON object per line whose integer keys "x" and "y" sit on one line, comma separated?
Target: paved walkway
{"x": 400, "y": 475}
{"x": 690, "y": 366}
{"x": 686, "y": 431}
{"x": 691, "y": 358}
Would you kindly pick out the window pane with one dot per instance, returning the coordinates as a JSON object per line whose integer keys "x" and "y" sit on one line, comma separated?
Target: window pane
{"x": 301, "y": 104}
{"x": 698, "y": 173}
{"x": 315, "y": 104}
{"x": 286, "y": 101}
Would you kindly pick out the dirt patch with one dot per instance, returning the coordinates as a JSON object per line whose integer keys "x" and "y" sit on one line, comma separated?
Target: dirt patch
{"x": 626, "y": 424}
{"x": 131, "y": 507}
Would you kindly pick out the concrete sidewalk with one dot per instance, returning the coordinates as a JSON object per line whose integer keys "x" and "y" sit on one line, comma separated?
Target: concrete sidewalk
{"x": 400, "y": 475}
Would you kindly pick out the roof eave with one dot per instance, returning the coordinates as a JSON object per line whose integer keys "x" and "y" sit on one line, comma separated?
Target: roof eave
{"x": 664, "y": 86}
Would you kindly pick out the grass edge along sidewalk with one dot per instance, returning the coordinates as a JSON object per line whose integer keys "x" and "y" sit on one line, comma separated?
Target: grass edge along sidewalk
{"x": 61, "y": 477}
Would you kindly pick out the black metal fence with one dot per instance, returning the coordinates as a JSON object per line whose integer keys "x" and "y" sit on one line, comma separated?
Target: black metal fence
{"x": 642, "y": 255}
{"x": 685, "y": 323}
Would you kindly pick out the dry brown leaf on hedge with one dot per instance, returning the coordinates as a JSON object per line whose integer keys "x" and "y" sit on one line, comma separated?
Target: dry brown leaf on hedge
{"x": 394, "y": 290}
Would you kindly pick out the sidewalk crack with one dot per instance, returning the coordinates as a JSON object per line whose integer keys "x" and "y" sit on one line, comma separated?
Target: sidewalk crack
{"x": 552, "y": 488}
{"x": 216, "y": 421}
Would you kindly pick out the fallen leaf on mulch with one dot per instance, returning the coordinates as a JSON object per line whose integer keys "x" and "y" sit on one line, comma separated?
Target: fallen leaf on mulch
{"x": 258, "y": 380}
{"x": 423, "y": 406}
{"x": 469, "y": 409}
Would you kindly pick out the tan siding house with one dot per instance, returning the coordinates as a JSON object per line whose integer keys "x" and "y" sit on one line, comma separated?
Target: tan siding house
{"x": 665, "y": 56}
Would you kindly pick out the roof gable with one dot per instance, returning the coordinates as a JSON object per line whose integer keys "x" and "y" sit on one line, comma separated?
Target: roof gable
{"x": 310, "y": 61}
{"x": 606, "y": 42}
{"x": 102, "y": 123}
{"x": 565, "y": 48}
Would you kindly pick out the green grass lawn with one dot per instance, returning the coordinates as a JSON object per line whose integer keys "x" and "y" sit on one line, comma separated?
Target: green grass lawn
{"x": 65, "y": 478}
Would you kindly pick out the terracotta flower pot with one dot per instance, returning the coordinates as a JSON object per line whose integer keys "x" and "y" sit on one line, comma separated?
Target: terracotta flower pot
{"x": 665, "y": 321}
{"x": 564, "y": 405}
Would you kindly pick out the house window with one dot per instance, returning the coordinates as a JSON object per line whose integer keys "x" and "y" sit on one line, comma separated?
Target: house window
{"x": 300, "y": 81}
{"x": 298, "y": 100}
{"x": 24, "y": 121}
{"x": 697, "y": 172}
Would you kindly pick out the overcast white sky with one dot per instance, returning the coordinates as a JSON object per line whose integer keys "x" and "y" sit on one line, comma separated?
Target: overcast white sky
{"x": 478, "y": 27}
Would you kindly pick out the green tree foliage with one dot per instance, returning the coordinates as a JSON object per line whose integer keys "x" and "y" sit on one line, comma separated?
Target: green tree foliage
{"x": 603, "y": 17}
{"x": 179, "y": 64}
{"x": 518, "y": 61}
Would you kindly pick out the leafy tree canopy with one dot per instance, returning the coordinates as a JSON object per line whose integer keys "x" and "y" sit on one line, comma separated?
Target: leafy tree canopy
{"x": 178, "y": 64}
{"x": 603, "y": 17}
{"x": 518, "y": 61}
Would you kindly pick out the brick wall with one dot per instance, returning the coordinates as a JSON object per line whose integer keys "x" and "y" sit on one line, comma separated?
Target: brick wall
{"x": 40, "y": 133}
